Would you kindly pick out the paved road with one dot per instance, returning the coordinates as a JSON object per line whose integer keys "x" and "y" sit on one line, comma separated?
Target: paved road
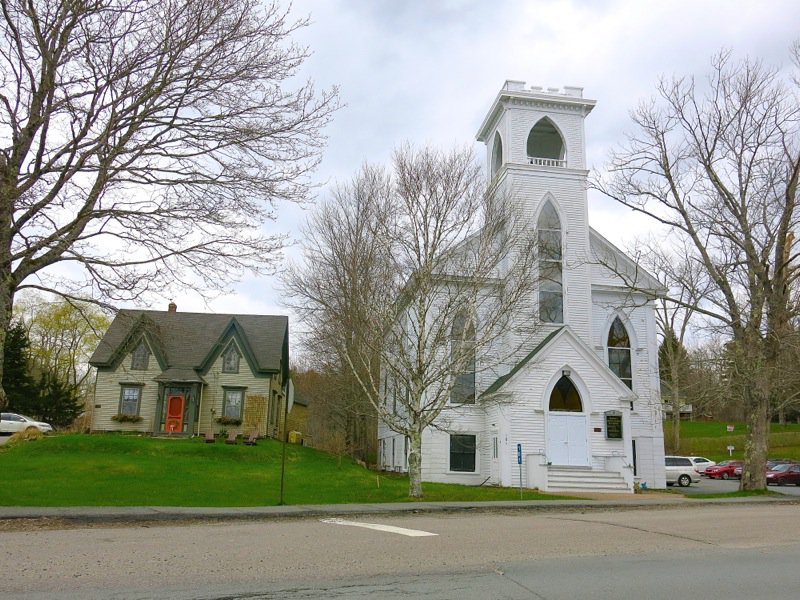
{"x": 569, "y": 554}
{"x": 718, "y": 486}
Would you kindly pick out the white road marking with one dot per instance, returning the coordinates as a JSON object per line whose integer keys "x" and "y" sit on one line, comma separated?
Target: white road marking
{"x": 376, "y": 527}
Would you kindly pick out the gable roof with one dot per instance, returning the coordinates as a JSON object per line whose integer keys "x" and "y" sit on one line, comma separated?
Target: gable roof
{"x": 501, "y": 380}
{"x": 192, "y": 341}
{"x": 583, "y": 350}
{"x": 629, "y": 272}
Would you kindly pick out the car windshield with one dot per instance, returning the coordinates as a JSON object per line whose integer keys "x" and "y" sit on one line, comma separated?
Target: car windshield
{"x": 781, "y": 467}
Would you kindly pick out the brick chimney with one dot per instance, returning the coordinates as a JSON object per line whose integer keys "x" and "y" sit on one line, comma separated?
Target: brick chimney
{"x": 172, "y": 307}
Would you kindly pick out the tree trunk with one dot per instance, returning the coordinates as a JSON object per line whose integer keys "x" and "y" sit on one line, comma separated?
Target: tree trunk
{"x": 415, "y": 464}
{"x": 754, "y": 472}
{"x": 676, "y": 425}
{"x": 6, "y": 306}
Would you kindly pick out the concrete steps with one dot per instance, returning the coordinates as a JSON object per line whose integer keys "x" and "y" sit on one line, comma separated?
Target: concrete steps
{"x": 584, "y": 479}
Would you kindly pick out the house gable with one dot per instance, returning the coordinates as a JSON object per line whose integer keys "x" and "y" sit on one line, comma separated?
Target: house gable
{"x": 233, "y": 334}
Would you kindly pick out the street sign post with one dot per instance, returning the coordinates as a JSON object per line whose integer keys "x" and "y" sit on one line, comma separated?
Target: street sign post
{"x": 519, "y": 462}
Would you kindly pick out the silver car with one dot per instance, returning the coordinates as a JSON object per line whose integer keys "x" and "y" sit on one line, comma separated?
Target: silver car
{"x": 12, "y": 423}
{"x": 680, "y": 470}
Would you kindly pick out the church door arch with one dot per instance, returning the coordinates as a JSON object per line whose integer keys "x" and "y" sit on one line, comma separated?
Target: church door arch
{"x": 567, "y": 444}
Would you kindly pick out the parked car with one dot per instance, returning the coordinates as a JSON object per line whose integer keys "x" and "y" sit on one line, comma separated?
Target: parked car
{"x": 772, "y": 463}
{"x": 701, "y": 463}
{"x": 783, "y": 474}
{"x": 725, "y": 470}
{"x": 680, "y": 470}
{"x": 12, "y": 423}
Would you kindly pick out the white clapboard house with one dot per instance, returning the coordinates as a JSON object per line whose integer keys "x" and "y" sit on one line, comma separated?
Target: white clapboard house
{"x": 578, "y": 408}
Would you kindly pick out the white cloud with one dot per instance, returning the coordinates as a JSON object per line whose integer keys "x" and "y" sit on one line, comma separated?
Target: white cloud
{"x": 428, "y": 71}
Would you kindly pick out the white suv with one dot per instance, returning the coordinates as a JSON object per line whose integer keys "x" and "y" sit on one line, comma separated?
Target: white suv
{"x": 680, "y": 470}
{"x": 701, "y": 463}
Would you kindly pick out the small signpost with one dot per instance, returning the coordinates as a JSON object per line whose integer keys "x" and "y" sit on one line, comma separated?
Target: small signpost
{"x": 730, "y": 450}
{"x": 519, "y": 462}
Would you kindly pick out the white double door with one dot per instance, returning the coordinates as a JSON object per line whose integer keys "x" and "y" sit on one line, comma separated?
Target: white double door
{"x": 567, "y": 439}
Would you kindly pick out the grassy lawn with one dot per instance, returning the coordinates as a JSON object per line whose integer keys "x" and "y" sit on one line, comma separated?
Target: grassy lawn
{"x": 710, "y": 439}
{"x": 128, "y": 470}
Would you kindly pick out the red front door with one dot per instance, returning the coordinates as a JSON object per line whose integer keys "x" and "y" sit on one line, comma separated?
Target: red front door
{"x": 175, "y": 405}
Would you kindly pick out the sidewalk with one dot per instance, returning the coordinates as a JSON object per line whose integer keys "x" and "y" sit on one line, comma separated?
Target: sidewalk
{"x": 179, "y": 513}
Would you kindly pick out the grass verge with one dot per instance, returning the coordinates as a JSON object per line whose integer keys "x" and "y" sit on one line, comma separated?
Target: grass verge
{"x": 129, "y": 470}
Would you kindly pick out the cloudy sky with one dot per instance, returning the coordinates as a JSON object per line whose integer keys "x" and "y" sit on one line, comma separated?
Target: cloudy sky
{"x": 427, "y": 71}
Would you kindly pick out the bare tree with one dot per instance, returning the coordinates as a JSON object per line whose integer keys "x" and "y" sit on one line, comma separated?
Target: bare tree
{"x": 718, "y": 165}
{"x": 416, "y": 293}
{"x": 145, "y": 142}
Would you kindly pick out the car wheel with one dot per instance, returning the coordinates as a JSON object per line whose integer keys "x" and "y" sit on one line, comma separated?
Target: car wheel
{"x": 31, "y": 429}
{"x": 684, "y": 480}
{"x": 725, "y": 476}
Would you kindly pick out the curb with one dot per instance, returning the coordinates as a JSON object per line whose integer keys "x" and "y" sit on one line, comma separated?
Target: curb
{"x": 110, "y": 514}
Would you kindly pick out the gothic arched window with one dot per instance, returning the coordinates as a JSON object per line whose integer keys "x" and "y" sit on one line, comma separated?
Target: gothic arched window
{"x": 230, "y": 359}
{"x": 551, "y": 285}
{"x": 565, "y": 396}
{"x": 462, "y": 353}
{"x": 619, "y": 352}
{"x": 545, "y": 145}
{"x": 497, "y": 153}
{"x": 140, "y": 357}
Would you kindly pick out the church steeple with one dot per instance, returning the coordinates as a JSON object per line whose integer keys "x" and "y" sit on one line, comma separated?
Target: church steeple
{"x": 536, "y": 126}
{"x": 536, "y": 152}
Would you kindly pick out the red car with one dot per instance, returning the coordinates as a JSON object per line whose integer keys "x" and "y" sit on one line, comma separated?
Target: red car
{"x": 724, "y": 470}
{"x": 784, "y": 474}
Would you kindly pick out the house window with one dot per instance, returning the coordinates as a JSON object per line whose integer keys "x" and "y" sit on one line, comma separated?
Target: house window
{"x": 130, "y": 400}
{"x": 140, "y": 357}
{"x": 462, "y": 359}
{"x": 551, "y": 285}
{"x": 462, "y": 453}
{"x": 230, "y": 359}
{"x": 619, "y": 352}
{"x": 232, "y": 401}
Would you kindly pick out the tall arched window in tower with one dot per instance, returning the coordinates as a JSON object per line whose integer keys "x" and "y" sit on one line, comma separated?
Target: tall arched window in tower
{"x": 619, "y": 352}
{"x": 497, "y": 153}
{"x": 462, "y": 352}
{"x": 551, "y": 288}
{"x": 545, "y": 146}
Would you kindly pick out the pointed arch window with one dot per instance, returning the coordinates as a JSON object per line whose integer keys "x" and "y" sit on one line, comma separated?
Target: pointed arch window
{"x": 619, "y": 352}
{"x": 565, "y": 396}
{"x": 462, "y": 354}
{"x": 497, "y": 153}
{"x": 140, "y": 358}
{"x": 230, "y": 359}
{"x": 551, "y": 285}
{"x": 545, "y": 147}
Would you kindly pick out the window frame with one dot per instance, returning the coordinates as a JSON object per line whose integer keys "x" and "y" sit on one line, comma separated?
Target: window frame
{"x": 140, "y": 357}
{"x": 139, "y": 387}
{"x": 474, "y": 453}
{"x": 462, "y": 335}
{"x": 231, "y": 350}
{"x": 620, "y": 353}
{"x": 551, "y": 260}
{"x": 228, "y": 390}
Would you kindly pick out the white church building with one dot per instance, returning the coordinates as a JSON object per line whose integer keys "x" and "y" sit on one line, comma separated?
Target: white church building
{"x": 579, "y": 408}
